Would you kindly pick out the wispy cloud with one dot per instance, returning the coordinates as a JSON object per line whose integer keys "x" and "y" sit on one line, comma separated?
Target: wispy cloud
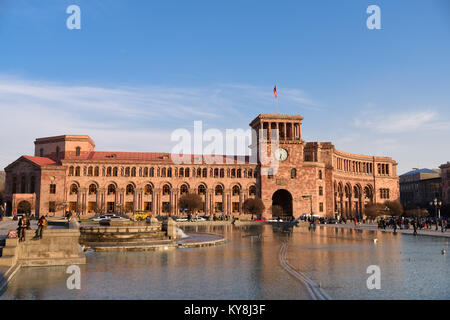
{"x": 123, "y": 118}
{"x": 427, "y": 119}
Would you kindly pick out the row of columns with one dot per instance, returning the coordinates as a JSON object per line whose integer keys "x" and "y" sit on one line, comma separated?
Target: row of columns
{"x": 156, "y": 198}
{"x": 285, "y": 133}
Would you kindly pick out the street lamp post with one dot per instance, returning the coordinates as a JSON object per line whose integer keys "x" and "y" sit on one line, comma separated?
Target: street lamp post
{"x": 437, "y": 210}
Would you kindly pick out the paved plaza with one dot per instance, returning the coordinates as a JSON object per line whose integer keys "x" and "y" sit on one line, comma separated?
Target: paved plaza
{"x": 374, "y": 227}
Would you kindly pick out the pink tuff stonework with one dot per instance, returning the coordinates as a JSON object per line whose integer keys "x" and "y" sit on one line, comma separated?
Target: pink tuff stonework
{"x": 66, "y": 173}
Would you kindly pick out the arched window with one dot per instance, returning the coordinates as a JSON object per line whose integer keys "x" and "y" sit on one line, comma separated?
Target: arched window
{"x": 112, "y": 189}
{"x": 201, "y": 189}
{"x": 222, "y": 173}
{"x": 96, "y": 171}
{"x": 127, "y": 171}
{"x": 130, "y": 189}
{"x": 270, "y": 173}
{"x": 163, "y": 172}
{"x": 90, "y": 171}
{"x": 133, "y": 172}
{"x": 216, "y": 173}
{"x": 184, "y": 189}
{"x": 71, "y": 171}
{"x": 293, "y": 173}
{"x": 151, "y": 172}
{"x": 239, "y": 173}
{"x": 77, "y": 151}
{"x": 186, "y": 172}
{"x": 169, "y": 172}
{"x": 92, "y": 189}
{"x": 73, "y": 189}
{"x": 199, "y": 172}
{"x": 219, "y": 190}
{"x": 236, "y": 190}
{"x": 145, "y": 172}
{"x": 148, "y": 189}
{"x": 166, "y": 189}
{"x": 250, "y": 173}
{"x": 115, "y": 172}
{"x": 108, "y": 171}
{"x": 77, "y": 171}
{"x": 320, "y": 191}
{"x": 181, "y": 172}
{"x": 205, "y": 172}
{"x": 233, "y": 173}
{"x": 252, "y": 191}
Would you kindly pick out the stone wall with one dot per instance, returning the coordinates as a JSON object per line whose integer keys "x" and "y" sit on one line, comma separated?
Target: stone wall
{"x": 57, "y": 247}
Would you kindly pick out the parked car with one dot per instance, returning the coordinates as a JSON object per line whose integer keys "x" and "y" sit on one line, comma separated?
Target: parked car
{"x": 107, "y": 216}
{"x": 182, "y": 219}
{"x": 198, "y": 219}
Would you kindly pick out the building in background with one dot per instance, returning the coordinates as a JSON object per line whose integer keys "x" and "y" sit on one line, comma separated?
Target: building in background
{"x": 445, "y": 175}
{"x": 419, "y": 187}
{"x": 67, "y": 173}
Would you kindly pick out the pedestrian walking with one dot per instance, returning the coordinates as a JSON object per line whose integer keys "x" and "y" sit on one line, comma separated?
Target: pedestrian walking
{"x": 414, "y": 223}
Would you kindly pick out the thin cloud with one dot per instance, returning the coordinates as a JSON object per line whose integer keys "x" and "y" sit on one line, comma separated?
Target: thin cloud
{"x": 122, "y": 118}
{"x": 402, "y": 122}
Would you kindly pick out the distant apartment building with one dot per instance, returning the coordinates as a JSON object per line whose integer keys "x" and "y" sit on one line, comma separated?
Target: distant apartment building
{"x": 445, "y": 178}
{"x": 420, "y": 186}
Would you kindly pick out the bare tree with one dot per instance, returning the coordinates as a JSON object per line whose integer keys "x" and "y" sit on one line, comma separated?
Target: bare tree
{"x": 417, "y": 212}
{"x": 254, "y": 206}
{"x": 374, "y": 210}
{"x": 190, "y": 202}
{"x": 394, "y": 208}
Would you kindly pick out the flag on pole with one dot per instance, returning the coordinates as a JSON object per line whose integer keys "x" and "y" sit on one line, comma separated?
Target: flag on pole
{"x": 275, "y": 91}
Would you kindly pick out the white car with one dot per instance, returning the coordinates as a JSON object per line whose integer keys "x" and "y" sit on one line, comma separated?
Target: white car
{"x": 181, "y": 219}
{"x": 106, "y": 217}
{"x": 198, "y": 219}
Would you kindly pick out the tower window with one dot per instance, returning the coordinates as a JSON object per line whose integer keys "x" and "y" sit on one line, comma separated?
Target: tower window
{"x": 78, "y": 151}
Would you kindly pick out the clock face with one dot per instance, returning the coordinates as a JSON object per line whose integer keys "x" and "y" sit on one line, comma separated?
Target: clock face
{"x": 281, "y": 154}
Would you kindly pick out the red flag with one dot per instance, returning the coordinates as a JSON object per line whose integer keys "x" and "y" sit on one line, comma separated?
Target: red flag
{"x": 275, "y": 91}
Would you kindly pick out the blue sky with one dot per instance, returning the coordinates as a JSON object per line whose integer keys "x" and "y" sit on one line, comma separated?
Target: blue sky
{"x": 137, "y": 70}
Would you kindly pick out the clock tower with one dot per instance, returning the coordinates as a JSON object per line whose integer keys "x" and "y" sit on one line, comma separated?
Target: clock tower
{"x": 278, "y": 150}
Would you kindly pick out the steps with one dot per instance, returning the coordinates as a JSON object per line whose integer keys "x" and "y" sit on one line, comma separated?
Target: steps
{"x": 9, "y": 253}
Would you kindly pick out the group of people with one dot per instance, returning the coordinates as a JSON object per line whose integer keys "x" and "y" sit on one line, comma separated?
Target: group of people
{"x": 415, "y": 223}
{"x": 24, "y": 224}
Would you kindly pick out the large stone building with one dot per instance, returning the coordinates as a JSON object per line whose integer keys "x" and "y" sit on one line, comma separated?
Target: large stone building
{"x": 419, "y": 187}
{"x": 445, "y": 175}
{"x": 67, "y": 173}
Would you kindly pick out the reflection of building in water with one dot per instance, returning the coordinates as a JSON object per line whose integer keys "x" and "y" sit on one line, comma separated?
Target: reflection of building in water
{"x": 67, "y": 173}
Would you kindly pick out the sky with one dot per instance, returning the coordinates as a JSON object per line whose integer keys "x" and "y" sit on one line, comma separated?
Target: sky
{"x": 138, "y": 70}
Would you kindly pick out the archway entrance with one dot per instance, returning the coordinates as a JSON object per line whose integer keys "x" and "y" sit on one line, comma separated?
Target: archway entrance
{"x": 282, "y": 202}
{"x": 24, "y": 207}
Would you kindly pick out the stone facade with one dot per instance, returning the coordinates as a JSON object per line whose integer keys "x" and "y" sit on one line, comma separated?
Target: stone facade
{"x": 66, "y": 173}
{"x": 445, "y": 176}
{"x": 419, "y": 187}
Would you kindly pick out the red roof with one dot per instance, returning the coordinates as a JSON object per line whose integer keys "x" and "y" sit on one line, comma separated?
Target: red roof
{"x": 41, "y": 161}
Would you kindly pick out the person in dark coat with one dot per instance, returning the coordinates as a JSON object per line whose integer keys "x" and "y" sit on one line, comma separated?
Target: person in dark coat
{"x": 42, "y": 223}
{"x": 24, "y": 224}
